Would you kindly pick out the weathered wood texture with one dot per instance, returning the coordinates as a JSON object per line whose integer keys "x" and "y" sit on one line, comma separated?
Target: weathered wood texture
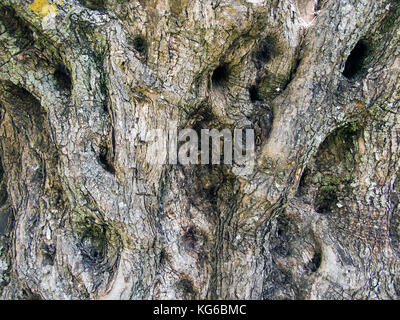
{"x": 84, "y": 216}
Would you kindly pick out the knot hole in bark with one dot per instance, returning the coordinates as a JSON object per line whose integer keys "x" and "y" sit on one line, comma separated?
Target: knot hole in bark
{"x": 99, "y": 242}
{"x": 190, "y": 238}
{"x": 186, "y": 287}
{"x": 48, "y": 253}
{"x": 94, "y": 243}
{"x": 220, "y": 75}
{"x": 267, "y": 49}
{"x": 335, "y": 168}
{"x": 253, "y": 93}
{"x": 63, "y": 77}
{"x": 106, "y": 155}
{"x": 140, "y": 44}
{"x": 269, "y": 84}
{"x": 314, "y": 264}
{"x": 355, "y": 63}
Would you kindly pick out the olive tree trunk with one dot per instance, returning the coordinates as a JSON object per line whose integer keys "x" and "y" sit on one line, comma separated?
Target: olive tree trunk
{"x": 84, "y": 215}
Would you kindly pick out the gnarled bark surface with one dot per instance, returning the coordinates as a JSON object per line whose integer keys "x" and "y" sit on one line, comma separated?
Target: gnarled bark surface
{"x": 83, "y": 215}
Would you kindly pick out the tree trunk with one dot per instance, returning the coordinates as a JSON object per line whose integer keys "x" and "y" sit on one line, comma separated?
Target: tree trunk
{"x": 85, "y": 215}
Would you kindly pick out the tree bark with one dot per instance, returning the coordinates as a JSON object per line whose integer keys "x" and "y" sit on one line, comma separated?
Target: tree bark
{"x": 84, "y": 215}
